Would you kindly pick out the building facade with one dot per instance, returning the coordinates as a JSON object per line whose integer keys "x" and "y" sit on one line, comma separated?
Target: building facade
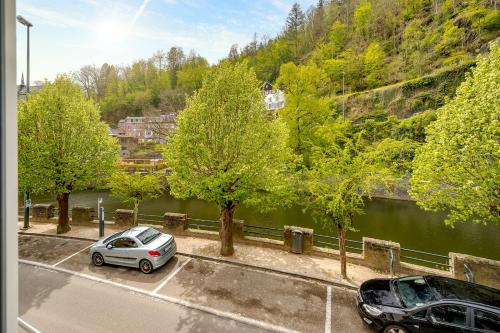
{"x": 147, "y": 129}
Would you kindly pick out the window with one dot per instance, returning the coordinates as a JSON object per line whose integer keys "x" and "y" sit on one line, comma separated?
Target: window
{"x": 414, "y": 291}
{"x": 124, "y": 243}
{"x": 486, "y": 321}
{"x": 118, "y": 234}
{"x": 148, "y": 235}
{"x": 420, "y": 314}
{"x": 449, "y": 314}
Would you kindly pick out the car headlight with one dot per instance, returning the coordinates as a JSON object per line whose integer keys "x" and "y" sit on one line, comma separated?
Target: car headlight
{"x": 373, "y": 311}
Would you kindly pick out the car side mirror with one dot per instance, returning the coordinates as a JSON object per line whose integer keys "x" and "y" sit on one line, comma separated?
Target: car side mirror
{"x": 109, "y": 246}
{"x": 432, "y": 319}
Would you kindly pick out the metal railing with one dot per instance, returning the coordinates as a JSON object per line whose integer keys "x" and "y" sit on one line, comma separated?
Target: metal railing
{"x": 411, "y": 256}
{"x": 333, "y": 242}
{"x": 203, "y": 224}
{"x": 149, "y": 219}
{"x": 268, "y": 232}
{"x": 429, "y": 259}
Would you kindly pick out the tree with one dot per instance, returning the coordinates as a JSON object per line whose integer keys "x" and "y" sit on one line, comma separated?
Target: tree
{"x": 335, "y": 187}
{"x": 304, "y": 109}
{"x": 63, "y": 146}
{"x": 374, "y": 64}
{"x": 362, "y": 15}
{"x": 294, "y": 24}
{"x": 457, "y": 170}
{"x": 190, "y": 75}
{"x": 175, "y": 58}
{"x": 226, "y": 149}
{"x": 134, "y": 188}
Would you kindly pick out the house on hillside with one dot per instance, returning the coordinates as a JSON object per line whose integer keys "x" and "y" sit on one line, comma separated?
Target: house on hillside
{"x": 275, "y": 99}
{"x": 148, "y": 129}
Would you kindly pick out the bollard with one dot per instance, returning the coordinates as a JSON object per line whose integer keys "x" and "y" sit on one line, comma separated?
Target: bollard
{"x": 101, "y": 221}
{"x": 27, "y": 205}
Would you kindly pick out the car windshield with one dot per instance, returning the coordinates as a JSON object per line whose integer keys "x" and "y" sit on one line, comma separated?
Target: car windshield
{"x": 414, "y": 291}
{"x": 148, "y": 235}
{"x": 110, "y": 238}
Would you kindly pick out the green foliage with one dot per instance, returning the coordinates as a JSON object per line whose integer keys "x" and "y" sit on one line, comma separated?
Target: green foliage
{"x": 134, "y": 188}
{"x": 62, "y": 144}
{"x": 225, "y": 149}
{"x": 457, "y": 169}
{"x": 374, "y": 64}
{"x": 414, "y": 38}
{"x": 304, "y": 111}
{"x": 362, "y": 15}
{"x": 144, "y": 87}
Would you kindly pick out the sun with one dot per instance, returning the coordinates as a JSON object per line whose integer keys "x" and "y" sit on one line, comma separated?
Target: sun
{"x": 111, "y": 31}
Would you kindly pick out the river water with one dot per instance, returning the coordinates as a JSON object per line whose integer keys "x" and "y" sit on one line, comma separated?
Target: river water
{"x": 400, "y": 221}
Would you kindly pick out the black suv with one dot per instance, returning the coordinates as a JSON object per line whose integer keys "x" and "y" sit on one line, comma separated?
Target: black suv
{"x": 429, "y": 304}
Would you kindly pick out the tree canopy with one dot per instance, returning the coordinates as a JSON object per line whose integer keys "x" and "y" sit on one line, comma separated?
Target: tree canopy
{"x": 457, "y": 170}
{"x": 63, "y": 145}
{"x": 134, "y": 188}
{"x": 227, "y": 149}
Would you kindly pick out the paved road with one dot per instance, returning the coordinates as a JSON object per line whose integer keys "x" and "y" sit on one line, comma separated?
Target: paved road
{"x": 52, "y": 301}
{"x": 70, "y": 294}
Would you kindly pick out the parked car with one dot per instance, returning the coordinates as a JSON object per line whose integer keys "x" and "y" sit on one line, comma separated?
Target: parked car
{"x": 142, "y": 247}
{"x": 428, "y": 304}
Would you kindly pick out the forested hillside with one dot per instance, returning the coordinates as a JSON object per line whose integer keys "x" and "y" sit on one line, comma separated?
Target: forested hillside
{"x": 349, "y": 46}
{"x": 373, "y": 43}
{"x": 146, "y": 87}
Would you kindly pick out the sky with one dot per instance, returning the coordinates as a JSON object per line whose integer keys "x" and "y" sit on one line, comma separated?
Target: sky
{"x": 67, "y": 35}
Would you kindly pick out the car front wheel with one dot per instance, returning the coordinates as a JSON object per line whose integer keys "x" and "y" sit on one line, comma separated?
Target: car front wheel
{"x": 146, "y": 266}
{"x": 395, "y": 329}
{"x": 97, "y": 259}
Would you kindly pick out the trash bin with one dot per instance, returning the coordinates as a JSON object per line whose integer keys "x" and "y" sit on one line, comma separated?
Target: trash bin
{"x": 297, "y": 241}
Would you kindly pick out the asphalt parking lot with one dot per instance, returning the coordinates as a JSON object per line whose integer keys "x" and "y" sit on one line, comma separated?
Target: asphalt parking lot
{"x": 263, "y": 297}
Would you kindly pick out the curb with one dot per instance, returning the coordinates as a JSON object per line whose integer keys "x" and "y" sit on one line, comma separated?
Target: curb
{"x": 334, "y": 283}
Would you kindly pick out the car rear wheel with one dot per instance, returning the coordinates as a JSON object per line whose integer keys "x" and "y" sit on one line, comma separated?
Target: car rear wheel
{"x": 146, "y": 266}
{"x": 395, "y": 329}
{"x": 97, "y": 259}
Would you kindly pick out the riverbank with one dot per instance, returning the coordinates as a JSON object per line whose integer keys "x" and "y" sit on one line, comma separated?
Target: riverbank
{"x": 309, "y": 267}
{"x": 396, "y": 220}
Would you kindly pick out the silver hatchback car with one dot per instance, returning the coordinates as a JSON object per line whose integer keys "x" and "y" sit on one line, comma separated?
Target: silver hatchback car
{"x": 142, "y": 247}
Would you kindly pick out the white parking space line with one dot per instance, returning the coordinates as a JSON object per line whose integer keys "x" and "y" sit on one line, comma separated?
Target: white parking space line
{"x": 206, "y": 309}
{"x": 71, "y": 256}
{"x": 170, "y": 277}
{"x": 328, "y": 318}
{"x": 27, "y": 326}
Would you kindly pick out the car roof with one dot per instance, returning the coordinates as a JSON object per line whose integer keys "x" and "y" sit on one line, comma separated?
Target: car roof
{"x": 134, "y": 231}
{"x": 452, "y": 289}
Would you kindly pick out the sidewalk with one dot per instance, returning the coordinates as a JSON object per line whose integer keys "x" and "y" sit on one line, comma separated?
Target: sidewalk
{"x": 266, "y": 258}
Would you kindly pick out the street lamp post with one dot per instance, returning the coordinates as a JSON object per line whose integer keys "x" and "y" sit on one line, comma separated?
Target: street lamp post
{"x": 27, "y": 200}
{"x": 28, "y": 25}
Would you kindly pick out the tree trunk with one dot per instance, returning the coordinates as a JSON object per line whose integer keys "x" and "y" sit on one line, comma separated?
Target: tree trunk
{"x": 226, "y": 229}
{"x": 136, "y": 211}
{"x": 343, "y": 257}
{"x": 63, "y": 218}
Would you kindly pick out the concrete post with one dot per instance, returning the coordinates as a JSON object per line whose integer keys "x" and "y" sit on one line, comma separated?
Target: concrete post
{"x": 42, "y": 212}
{"x": 82, "y": 214}
{"x": 485, "y": 271}
{"x": 175, "y": 222}
{"x": 377, "y": 255}
{"x": 124, "y": 217}
{"x": 238, "y": 226}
